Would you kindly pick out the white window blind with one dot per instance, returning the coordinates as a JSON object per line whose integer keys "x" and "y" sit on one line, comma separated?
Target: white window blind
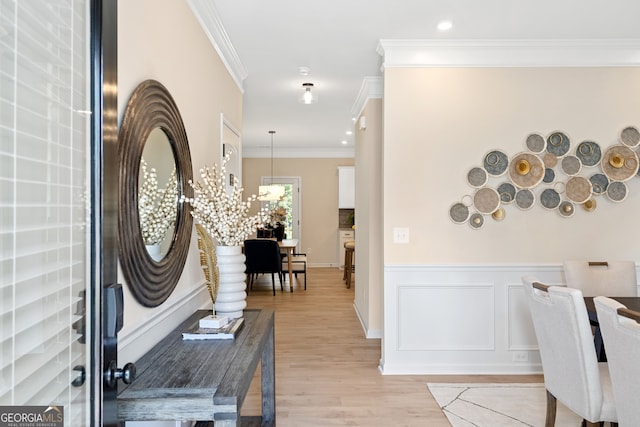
{"x": 44, "y": 250}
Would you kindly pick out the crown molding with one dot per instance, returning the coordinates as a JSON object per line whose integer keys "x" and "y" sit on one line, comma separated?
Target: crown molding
{"x": 371, "y": 88}
{"x": 510, "y": 53}
{"x": 343, "y": 152}
{"x": 207, "y": 16}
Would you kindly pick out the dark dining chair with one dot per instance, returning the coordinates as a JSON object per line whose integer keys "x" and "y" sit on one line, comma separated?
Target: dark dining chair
{"x": 262, "y": 257}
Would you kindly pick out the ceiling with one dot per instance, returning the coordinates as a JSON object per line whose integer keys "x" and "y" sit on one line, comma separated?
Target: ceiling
{"x": 337, "y": 41}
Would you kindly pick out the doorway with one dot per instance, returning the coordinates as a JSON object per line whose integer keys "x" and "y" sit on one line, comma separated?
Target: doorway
{"x": 291, "y": 202}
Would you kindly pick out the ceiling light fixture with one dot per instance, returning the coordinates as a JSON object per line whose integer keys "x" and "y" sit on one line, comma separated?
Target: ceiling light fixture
{"x": 307, "y": 96}
{"x": 270, "y": 192}
{"x": 445, "y": 25}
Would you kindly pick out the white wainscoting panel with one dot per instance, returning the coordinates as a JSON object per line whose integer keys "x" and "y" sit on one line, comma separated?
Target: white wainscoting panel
{"x": 469, "y": 319}
{"x": 454, "y": 317}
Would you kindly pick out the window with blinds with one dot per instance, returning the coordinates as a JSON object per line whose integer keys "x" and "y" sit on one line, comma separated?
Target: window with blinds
{"x": 44, "y": 230}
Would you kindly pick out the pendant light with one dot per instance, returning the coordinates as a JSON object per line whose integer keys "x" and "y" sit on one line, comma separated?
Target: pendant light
{"x": 271, "y": 192}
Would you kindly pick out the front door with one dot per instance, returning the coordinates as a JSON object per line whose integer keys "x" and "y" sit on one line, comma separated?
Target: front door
{"x": 57, "y": 228}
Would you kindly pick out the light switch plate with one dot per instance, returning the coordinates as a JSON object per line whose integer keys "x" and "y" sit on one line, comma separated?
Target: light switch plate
{"x": 400, "y": 235}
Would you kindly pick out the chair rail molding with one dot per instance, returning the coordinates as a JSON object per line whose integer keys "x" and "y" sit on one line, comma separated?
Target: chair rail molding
{"x": 510, "y": 53}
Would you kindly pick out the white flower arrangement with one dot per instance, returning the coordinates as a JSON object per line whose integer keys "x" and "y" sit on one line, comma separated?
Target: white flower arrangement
{"x": 157, "y": 207}
{"x": 225, "y": 216}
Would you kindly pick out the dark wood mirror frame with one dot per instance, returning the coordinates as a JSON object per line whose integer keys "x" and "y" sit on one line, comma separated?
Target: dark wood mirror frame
{"x": 151, "y": 106}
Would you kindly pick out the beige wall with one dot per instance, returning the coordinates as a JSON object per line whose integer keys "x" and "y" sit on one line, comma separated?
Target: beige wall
{"x": 162, "y": 40}
{"x": 440, "y": 122}
{"x": 368, "y": 283}
{"x": 319, "y": 198}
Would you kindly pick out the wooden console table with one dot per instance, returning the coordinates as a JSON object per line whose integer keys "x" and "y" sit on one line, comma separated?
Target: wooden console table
{"x": 203, "y": 380}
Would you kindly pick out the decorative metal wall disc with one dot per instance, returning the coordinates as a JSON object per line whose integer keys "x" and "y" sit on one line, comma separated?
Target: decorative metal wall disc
{"x": 550, "y": 198}
{"x": 590, "y": 205}
{"x": 526, "y": 170}
{"x": 525, "y": 199}
{"x": 507, "y": 192}
{"x": 566, "y": 209}
{"x": 476, "y": 221}
{"x": 589, "y": 153}
{"x": 599, "y": 183}
{"x": 486, "y": 200}
{"x": 459, "y": 213}
{"x": 578, "y": 189}
{"x": 499, "y": 214}
{"x": 536, "y": 143}
{"x": 571, "y": 165}
{"x": 549, "y": 175}
{"x": 477, "y": 177}
{"x": 496, "y": 162}
{"x": 619, "y": 163}
{"x": 550, "y": 160}
{"x": 617, "y": 191}
{"x": 630, "y": 136}
{"x": 558, "y": 144}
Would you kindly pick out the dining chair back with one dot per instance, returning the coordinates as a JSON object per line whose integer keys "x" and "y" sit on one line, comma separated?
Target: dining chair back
{"x": 621, "y": 335}
{"x": 609, "y": 278}
{"x": 571, "y": 370}
{"x": 263, "y": 256}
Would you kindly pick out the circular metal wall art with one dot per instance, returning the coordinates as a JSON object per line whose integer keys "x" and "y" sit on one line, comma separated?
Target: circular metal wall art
{"x": 496, "y": 163}
{"x": 459, "y": 213}
{"x": 617, "y": 191}
{"x": 599, "y": 183}
{"x": 589, "y": 153}
{"x": 476, "y": 221}
{"x": 486, "y": 200}
{"x": 507, "y": 192}
{"x": 525, "y": 199}
{"x": 526, "y": 170}
{"x": 499, "y": 214}
{"x": 550, "y": 199}
{"x": 619, "y": 163}
{"x": 590, "y": 205}
{"x": 536, "y": 143}
{"x": 566, "y": 209}
{"x": 571, "y": 165}
{"x": 578, "y": 189}
{"x": 630, "y": 136}
{"x": 549, "y": 176}
{"x": 550, "y": 161}
{"x": 558, "y": 144}
{"x": 477, "y": 177}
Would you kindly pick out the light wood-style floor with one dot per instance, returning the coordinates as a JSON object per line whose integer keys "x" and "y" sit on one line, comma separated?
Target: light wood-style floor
{"x": 327, "y": 371}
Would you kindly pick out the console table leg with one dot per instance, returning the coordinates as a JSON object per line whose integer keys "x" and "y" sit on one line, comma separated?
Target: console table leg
{"x": 268, "y": 375}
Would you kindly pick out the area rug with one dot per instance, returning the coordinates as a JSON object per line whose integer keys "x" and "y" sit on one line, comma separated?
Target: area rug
{"x": 513, "y": 404}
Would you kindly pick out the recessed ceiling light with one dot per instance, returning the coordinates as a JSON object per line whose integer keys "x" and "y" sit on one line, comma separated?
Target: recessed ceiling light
{"x": 445, "y": 25}
{"x": 344, "y": 142}
{"x": 349, "y": 132}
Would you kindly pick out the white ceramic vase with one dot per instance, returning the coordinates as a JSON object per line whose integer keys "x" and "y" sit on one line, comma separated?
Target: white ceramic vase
{"x": 231, "y": 299}
{"x": 154, "y": 251}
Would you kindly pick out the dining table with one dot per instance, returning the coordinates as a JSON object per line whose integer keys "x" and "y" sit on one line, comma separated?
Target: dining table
{"x": 632, "y": 303}
{"x": 289, "y": 246}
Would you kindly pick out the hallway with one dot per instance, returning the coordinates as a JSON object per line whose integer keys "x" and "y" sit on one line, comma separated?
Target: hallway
{"x": 326, "y": 370}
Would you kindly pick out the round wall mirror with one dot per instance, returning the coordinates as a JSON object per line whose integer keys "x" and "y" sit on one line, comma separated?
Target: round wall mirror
{"x": 152, "y": 137}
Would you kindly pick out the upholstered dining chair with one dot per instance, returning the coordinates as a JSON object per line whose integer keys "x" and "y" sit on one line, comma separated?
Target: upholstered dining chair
{"x": 608, "y": 278}
{"x": 262, "y": 257}
{"x": 571, "y": 370}
{"x": 298, "y": 265}
{"x": 621, "y": 334}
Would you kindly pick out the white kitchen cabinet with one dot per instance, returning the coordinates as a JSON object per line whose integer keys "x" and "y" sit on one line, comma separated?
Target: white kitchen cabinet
{"x": 346, "y": 187}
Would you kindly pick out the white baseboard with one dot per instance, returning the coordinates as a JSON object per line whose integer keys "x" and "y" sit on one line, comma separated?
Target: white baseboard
{"x": 369, "y": 333}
